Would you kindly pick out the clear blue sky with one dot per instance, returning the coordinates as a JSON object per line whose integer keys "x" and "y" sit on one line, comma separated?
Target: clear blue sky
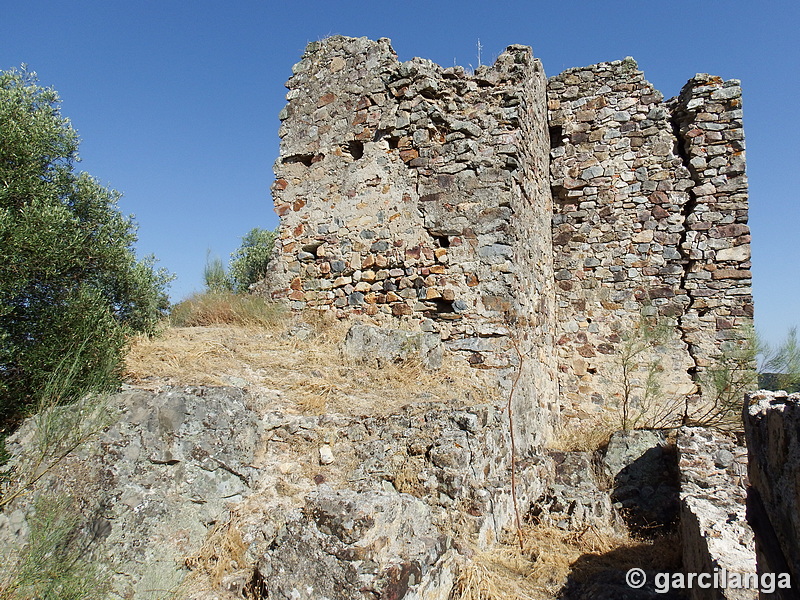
{"x": 177, "y": 101}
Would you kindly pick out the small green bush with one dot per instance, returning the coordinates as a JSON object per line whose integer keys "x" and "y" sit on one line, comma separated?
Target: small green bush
{"x": 642, "y": 402}
{"x": 780, "y": 366}
{"x": 60, "y": 429}
{"x": 215, "y": 276}
{"x": 249, "y": 263}
{"x": 727, "y": 379}
{"x": 57, "y": 562}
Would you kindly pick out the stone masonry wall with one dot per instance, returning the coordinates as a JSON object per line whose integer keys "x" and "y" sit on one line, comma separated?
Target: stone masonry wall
{"x": 411, "y": 192}
{"x": 714, "y": 529}
{"x": 650, "y": 213}
{"x": 708, "y": 119}
{"x": 772, "y": 427}
{"x": 619, "y": 190}
{"x": 517, "y": 217}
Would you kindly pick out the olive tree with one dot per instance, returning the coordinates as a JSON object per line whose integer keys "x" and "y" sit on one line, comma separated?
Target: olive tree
{"x": 71, "y": 287}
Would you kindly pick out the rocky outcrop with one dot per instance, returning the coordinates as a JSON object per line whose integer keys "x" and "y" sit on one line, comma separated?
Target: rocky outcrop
{"x": 336, "y": 506}
{"x": 152, "y": 483}
{"x": 579, "y": 498}
{"x": 630, "y": 487}
{"x": 320, "y": 506}
{"x": 643, "y": 468}
{"x": 350, "y": 545}
{"x": 772, "y": 426}
{"x": 383, "y": 345}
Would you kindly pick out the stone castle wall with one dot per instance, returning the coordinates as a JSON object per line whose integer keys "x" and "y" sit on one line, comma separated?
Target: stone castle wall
{"x": 517, "y": 217}
{"x": 708, "y": 120}
{"x": 411, "y": 192}
{"x": 619, "y": 190}
{"x": 650, "y": 218}
{"x": 772, "y": 429}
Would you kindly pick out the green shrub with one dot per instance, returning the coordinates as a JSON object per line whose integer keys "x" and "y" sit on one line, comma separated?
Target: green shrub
{"x": 642, "y": 402}
{"x": 249, "y": 263}
{"x": 723, "y": 383}
{"x": 727, "y": 379}
{"x": 70, "y": 284}
{"x": 57, "y": 562}
{"x": 60, "y": 429}
{"x": 780, "y": 366}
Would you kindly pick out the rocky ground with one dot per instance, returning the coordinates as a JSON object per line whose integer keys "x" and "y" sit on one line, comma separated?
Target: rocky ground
{"x": 318, "y": 472}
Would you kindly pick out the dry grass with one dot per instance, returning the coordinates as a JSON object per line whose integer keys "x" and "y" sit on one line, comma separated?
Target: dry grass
{"x": 553, "y": 552}
{"x": 496, "y": 574}
{"x": 297, "y": 363}
{"x": 406, "y": 476}
{"x": 222, "y": 553}
{"x": 585, "y": 435}
{"x": 226, "y": 308}
{"x": 551, "y": 557}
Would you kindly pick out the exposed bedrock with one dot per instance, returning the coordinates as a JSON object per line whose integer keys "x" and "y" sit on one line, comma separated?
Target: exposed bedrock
{"x": 376, "y": 502}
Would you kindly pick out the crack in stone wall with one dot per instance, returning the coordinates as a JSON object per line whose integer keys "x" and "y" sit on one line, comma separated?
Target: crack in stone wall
{"x": 717, "y": 279}
{"x": 688, "y": 211}
{"x": 620, "y": 190}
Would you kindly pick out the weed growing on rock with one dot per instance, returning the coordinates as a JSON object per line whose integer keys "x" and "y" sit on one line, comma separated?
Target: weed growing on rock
{"x": 585, "y": 435}
{"x": 57, "y": 562}
{"x": 780, "y": 366}
{"x": 214, "y": 275}
{"x": 222, "y": 554}
{"x": 66, "y": 417}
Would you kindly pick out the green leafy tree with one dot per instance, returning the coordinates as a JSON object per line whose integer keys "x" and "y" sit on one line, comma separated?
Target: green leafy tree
{"x": 249, "y": 263}
{"x": 70, "y": 283}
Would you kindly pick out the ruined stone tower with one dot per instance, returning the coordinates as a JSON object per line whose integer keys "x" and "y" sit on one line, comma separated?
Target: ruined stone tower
{"x": 517, "y": 217}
